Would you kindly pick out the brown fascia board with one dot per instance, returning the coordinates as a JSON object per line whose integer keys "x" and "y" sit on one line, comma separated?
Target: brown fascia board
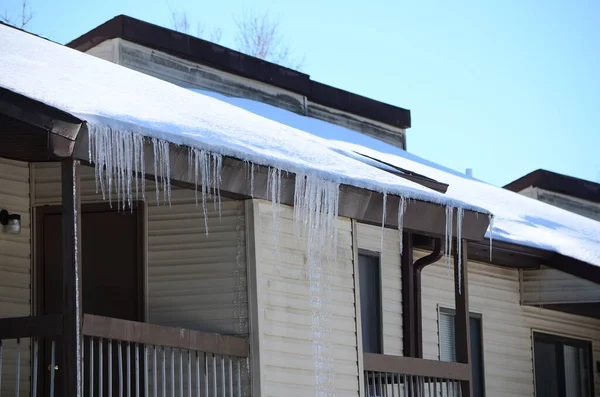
{"x": 201, "y": 51}
{"x": 558, "y": 183}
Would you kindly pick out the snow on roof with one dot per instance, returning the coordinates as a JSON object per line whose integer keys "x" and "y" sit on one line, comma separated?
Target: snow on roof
{"x": 105, "y": 94}
{"x": 517, "y": 219}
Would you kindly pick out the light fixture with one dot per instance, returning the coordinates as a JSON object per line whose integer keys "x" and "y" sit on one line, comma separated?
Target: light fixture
{"x": 11, "y": 223}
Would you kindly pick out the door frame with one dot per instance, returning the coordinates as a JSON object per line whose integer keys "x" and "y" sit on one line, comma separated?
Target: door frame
{"x": 38, "y": 245}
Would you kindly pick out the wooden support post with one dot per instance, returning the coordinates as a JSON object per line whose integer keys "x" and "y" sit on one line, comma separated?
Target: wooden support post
{"x": 408, "y": 298}
{"x": 71, "y": 283}
{"x": 461, "y": 296}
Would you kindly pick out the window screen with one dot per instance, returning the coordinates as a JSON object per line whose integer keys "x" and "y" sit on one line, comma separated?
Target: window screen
{"x": 370, "y": 303}
{"x": 562, "y": 366}
{"x": 448, "y": 348}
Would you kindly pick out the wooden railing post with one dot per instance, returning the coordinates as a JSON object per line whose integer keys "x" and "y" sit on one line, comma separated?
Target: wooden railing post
{"x": 409, "y": 310}
{"x": 461, "y": 296}
{"x": 71, "y": 280}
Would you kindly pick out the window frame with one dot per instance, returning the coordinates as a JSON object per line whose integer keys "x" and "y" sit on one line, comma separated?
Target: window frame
{"x": 450, "y": 311}
{"x": 375, "y": 255}
{"x": 569, "y": 341}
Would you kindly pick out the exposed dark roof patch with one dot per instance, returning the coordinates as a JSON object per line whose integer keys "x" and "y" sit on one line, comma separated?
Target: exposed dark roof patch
{"x": 228, "y": 60}
{"x": 558, "y": 183}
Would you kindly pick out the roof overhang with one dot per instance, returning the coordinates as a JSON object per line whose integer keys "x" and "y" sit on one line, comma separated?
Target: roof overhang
{"x": 34, "y": 131}
{"x": 39, "y": 132}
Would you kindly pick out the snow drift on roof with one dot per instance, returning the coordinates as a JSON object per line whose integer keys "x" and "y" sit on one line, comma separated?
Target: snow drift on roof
{"x": 518, "y": 219}
{"x": 105, "y": 94}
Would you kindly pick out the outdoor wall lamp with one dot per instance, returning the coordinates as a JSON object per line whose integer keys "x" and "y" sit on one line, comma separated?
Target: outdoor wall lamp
{"x": 11, "y": 223}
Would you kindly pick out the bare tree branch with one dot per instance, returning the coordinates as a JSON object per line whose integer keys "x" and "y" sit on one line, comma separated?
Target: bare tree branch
{"x": 181, "y": 23}
{"x": 24, "y": 19}
{"x": 259, "y": 35}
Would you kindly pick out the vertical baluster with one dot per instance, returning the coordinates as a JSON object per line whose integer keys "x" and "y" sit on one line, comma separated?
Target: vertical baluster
{"x": 91, "y": 345}
{"x": 164, "y": 371}
{"x": 399, "y": 385}
{"x": 230, "y": 377}
{"x": 35, "y": 366}
{"x": 205, "y": 373}
{"x": 146, "y": 376}
{"x": 100, "y": 368}
{"x": 435, "y": 388}
{"x": 180, "y": 373}
{"x": 18, "y": 369}
{"x": 239, "y": 376}
{"x": 172, "y": 372}
{"x": 447, "y": 382}
{"x": 189, "y": 372}
{"x": 214, "y": 367}
{"x": 137, "y": 369}
{"x": 120, "y": 358}
{"x": 109, "y": 374}
{"x": 128, "y": 353}
{"x": 223, "y": 382}
{"x": 429, "y": 385}
{"x": 197, "y": 374}
{"x": 52, "y": 369}
{"x": 154, "y": 373}
{"x": 1, "y": 354}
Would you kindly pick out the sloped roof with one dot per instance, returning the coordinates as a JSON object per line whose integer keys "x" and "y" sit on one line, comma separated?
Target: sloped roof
{"x": 108, "y": 95}
{"x": 518, "y": 219}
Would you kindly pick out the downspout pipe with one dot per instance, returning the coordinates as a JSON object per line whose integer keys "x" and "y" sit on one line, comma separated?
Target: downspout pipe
{"x": 418, "y": 266}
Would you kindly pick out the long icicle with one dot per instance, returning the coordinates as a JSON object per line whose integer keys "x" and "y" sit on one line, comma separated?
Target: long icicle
{"x": 401, "y": 211}
{"x": 383, "y": 215}
{"x": 449, "y": 230}
{"x": 459, "y": 223}
{"x": 491, "y": 219}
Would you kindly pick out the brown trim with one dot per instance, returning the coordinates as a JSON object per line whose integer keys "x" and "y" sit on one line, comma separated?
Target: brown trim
{"x": 416, "y": 367}
{"x": 558, "y": 183}
{"x": 356, "y": 203}
{"x": 160, "y": 335}
{"x": 61, "y": 127}
{"x": 409, "y": 310}
{"x": 204, "y": 52}
{"x": 462, "y": 325}
{"x": 28, "y": 327}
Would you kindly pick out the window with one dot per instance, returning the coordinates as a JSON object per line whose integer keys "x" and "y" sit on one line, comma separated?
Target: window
{"x": 562, "y": 366}
{"x": 448, "y": 347}
{"x": 369, "y": 275}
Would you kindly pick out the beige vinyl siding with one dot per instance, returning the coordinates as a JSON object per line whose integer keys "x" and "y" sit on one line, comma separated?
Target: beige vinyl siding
{"x": 548, "y": 286}
{"x": 507, "y": 326}
{"x": 194, "y": 280}
{"x": 284, "y": 312}
{"x": 15, "y": 270}
{"x": 369, "y": 238}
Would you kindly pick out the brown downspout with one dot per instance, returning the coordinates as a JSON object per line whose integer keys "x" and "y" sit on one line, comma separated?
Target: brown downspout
{"x": 418, "y": 266}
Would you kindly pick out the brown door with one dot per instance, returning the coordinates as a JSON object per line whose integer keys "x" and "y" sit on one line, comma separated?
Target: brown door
{"x": 111, "y": 269}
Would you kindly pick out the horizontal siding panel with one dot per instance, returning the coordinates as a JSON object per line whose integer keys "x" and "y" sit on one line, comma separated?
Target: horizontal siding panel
{"x": 507, "y": 326}
{"x": 15, "y": 270}
{"x": 550, "y": 286}
{"x": 285, "y": 312}
{"x": 372, "y": 238}
{"x": 194, "y": 279}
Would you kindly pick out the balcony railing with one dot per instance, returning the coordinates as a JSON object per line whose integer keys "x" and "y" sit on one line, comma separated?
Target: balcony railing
{"x": 391, "y": 376}
{"x": 20, "y": 337}
{"x": 123, "y": 359}
{"x": 127, "y": 358}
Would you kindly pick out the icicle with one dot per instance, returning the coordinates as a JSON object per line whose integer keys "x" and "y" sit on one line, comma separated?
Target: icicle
{"x": 491, "y": 219}
{"x": 383, "y": 215}
{"x": 459, "y": 222}
{"x": 401, "y": 211}
{"x": 449, "y": 229}
{"x": 251, "y": 179}
{"x": 155, "y": 151}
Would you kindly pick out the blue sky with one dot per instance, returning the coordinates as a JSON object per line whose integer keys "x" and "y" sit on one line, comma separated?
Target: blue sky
{"x": 502, "y": 87}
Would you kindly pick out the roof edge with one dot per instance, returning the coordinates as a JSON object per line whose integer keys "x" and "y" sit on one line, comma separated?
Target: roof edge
{"x": 198, "y": 50}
